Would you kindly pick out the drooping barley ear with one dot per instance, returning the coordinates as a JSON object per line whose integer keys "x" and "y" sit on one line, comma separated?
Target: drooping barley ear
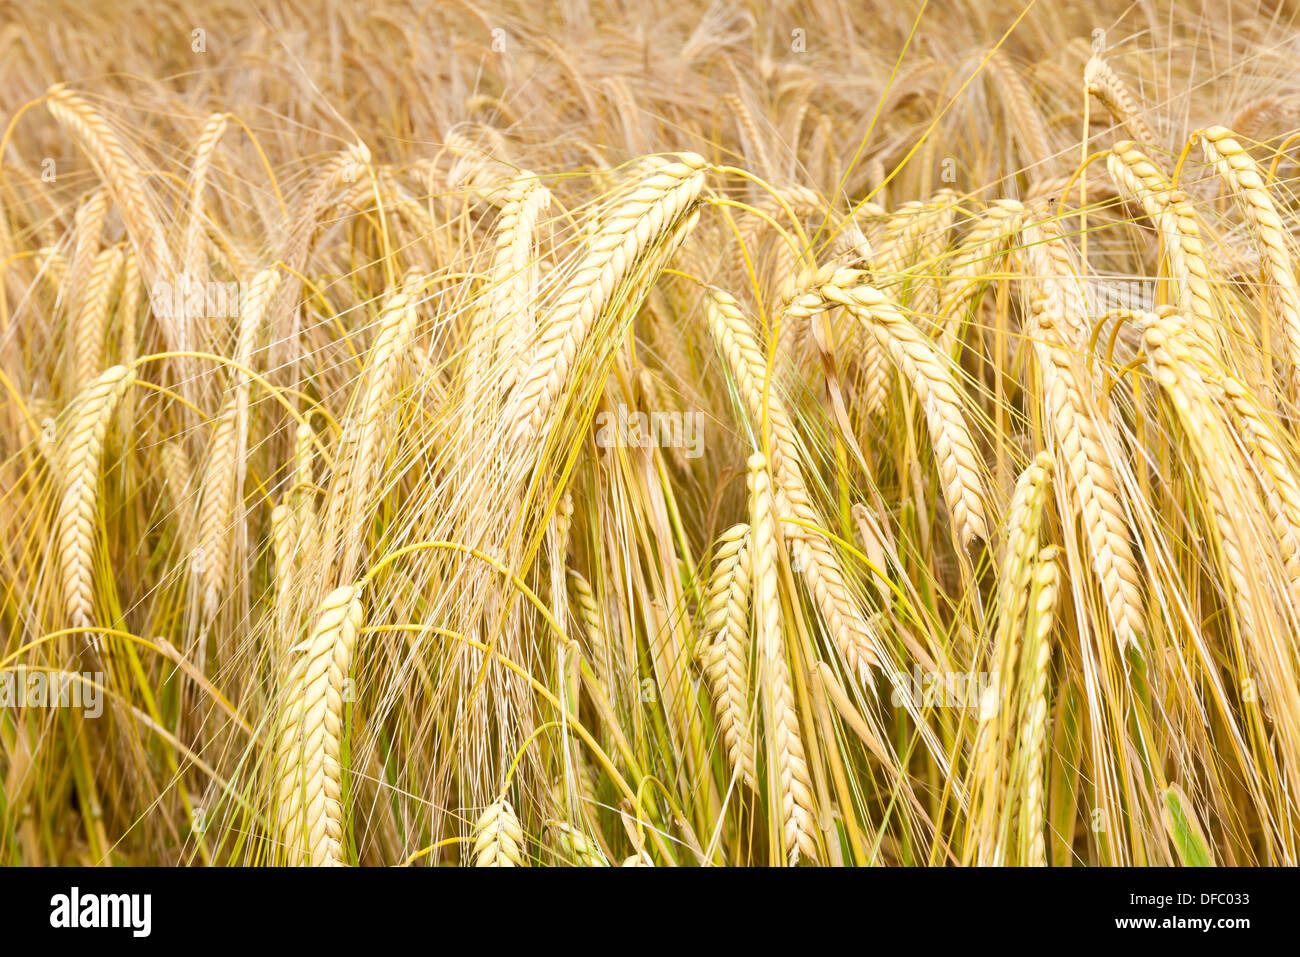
{"x": 79, "y": 461}
{"x": 1273, "y": 466}
{"x": 576, "y": 847}
{"x": 1222, "y": 467}
{"x": 1027, "y": 123}
{"x": 1173, "y": 215}
{"x": 1239, "y": 171}
{"x": 1024, "y": 516}
{"x": 1033, "y": 732}
{"x": 611, "y": 255}
{"x": 1094, "y": 494}
{"x": 88, "y": 224}
{"x": 123, "y": 179}
{"x": 358, "y": 461}
{"x": 194, "y": 256}
{"x": 588, "y": 614}
{"x": 790, "y": 782}
{"x": 223, "y": 472}
{"x": 309, "y": 778}
{"x": 252, "y": 317}
{"x": 928, "y": 372}
{"x": 511, "y": 302}
{"x": 302, "y": 496}
{"x": 993, "y": 789}
{"x": 177, "y": 478}
{"x": 284, "y": 542}
{"x": 818, "y": 563}
{"x": 1103, "y": 83}
{"x": 341, "y": 169}
{"x": 128, "y": 309}
{"x": 498, "y": 838}
{"x": 566, "y": 652}
{"x": 1083, "y": 436}
{"x": 218, "y": 488}
{"x": 996, "y": 228}
{"x": 726, "y": 652}
{"x": 92, "y": 319}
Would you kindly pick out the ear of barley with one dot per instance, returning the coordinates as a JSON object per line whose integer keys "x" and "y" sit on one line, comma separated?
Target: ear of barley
{"x": 818, "y": 563}
{"x": 177, "y": 478}
{"x": 1033, "y": 732}
{"x": 726, "y": 654}
{"x": 123, "y": 178}
{"x": 1242, "y": 543}
{"x": 308, "y": 773}
{"x": 498, "y": 838}
{"x": 791, "y": 783}
{"x": 88, "y": 224}
{"x": 576, "y": 847}
{"x": 79, "y": 460}
{"x": 1082, "y": 434}
{"x": 588, "y": 614}
{"x": 1103, "y": 83}
{"x": 194, "y": 256}
{"x": 341, "y": 169}
{"x": 995, "y": 740}
{"x": 928, "y": 372}
{"x": 252, "y": 316}
{"x": 129, "y": 309}
{"x": 218, "y": 489}
{"x": 612, "y": 252}
{"x": 92, "y": 319}
{"x": 1239, "y": 171}
{"x": 1136, "y": 175}
{"x": 351, "y": 492}
{"x": 511, "y": 304}
{"x": 1027, "y": 123}
{"x": 284, "y": 541}
{"x": 980, "y": 251}
{"x": 1095, "y": 497}
{"x": 1024, "y": 515}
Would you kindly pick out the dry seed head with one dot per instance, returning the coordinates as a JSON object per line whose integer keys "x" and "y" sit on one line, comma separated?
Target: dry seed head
{"x": 726, "y": 652}
{"x": 498, "y": 839}
{"x": 817, "y": 560}
{"x": 309, "y": 775}
{"x": 80, "y": 459}
{"x": 579, "y": 849}
{"x": 930, "y": 376}
{"x": 612, "y": 253}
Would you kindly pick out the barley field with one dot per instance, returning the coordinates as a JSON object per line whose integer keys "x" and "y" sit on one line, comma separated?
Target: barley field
{"x": 649, "y": 434}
